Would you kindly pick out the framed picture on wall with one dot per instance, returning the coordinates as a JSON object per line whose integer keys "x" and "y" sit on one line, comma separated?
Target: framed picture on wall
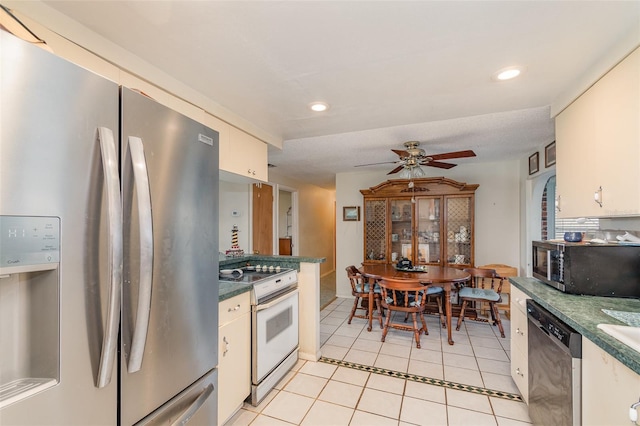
{"x": 534, "y": 163}
{"x": 550, "y": 154}
{"x": 351, "y": 213}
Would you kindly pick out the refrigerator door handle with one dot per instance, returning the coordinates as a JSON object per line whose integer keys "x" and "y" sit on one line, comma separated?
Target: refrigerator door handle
{"x": 141, "y": 179}
{"x": 194, "y": 407}
{"x": 114, "y": 211}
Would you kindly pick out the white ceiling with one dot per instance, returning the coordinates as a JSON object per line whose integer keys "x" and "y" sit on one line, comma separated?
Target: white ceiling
{"x": 392, "y": 71}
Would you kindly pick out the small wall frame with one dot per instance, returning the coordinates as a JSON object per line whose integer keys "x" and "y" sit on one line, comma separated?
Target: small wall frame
{"x": 351, "y": 213}
{"x": 550, "y": 154}
{"x": 534, "y": 163}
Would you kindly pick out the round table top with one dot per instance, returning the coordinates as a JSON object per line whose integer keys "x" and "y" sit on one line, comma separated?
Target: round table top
{"x": 434, "y": 274}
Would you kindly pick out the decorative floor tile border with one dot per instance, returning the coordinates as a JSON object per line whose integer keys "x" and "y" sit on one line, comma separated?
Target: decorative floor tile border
{"x": 421, "y": 379}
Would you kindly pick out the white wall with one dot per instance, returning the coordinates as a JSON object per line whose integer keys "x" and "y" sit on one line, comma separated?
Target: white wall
{"x": 234, "y": 197}
{"x": 497, "y": 214}
{"x": 316, "y": 220}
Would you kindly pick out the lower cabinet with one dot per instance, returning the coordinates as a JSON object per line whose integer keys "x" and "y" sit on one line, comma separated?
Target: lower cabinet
{"x": 519, "y": 342}
{"x": 608, "y": 388}
{"x": 234, "y": 355}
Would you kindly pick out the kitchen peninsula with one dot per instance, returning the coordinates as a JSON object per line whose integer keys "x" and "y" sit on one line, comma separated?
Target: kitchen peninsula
{"x": 610, "y": 369}
{"x": 308, "y": 283}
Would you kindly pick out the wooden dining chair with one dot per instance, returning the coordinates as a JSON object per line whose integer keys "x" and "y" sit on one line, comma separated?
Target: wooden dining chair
{"x": 408, "y": 296}
{"x": 360, "y": 290}
{"x": 483, "y": 289}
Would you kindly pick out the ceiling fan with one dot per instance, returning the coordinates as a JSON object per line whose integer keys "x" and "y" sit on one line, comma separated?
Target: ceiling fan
{"x": 412, "y": 157}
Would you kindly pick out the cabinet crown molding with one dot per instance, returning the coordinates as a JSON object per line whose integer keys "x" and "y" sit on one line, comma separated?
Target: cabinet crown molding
{"x": 432, "y": 185}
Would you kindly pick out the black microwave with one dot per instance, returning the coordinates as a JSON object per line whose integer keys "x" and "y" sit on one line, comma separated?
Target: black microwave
{"x": 588, "y": 269}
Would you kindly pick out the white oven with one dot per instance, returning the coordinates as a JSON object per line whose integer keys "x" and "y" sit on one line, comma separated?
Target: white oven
{"x": 274, "y": 345}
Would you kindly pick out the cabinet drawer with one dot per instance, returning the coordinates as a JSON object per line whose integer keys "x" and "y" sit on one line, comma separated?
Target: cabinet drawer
{"x": 518, "y": 301}
{"x": 520, "y": 372}
{"x": 233, "y": 308}
{"x": 519, "y": 331}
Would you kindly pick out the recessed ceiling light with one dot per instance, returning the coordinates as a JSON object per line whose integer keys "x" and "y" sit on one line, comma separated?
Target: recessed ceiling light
{"x": 507, "y": 73}
{"x": 318, "y": 106}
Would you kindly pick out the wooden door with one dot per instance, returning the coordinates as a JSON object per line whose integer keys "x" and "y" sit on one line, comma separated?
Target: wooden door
{"x": 262, "y": 218}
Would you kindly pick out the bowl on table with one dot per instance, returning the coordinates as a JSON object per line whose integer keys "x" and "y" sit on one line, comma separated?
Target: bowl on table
{"x": 573, "y": 237}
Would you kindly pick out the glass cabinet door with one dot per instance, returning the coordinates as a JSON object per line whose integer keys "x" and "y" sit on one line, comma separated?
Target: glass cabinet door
{"x": 459, "y": 211}
{"x": 401, "y": 229}
{"x": 428, "y": 230}
{"x": 375, "y": 230}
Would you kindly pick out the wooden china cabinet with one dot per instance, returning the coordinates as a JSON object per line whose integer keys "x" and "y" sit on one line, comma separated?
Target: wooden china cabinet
{"x": 430, "y": 221}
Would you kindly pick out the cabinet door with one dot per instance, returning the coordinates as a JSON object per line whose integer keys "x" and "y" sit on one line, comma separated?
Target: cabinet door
{"x": 598, "y": 146}
{"x": 234, "y": 370}
{"x": 429, "y": 230}
{"x": 519, "y": 344}
{"x": 618, "y": 146}
{"x": 608, "y": 387}
{"x": 575, "y": 175}
{"x": 459, "y": 230}
{"x": 244, "y": 156}
{"x": 402, "y": 241}
{"x": 375, "y": 230}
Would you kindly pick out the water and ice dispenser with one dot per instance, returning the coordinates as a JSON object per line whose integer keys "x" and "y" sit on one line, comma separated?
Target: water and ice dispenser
{"x": 29, "y": 306}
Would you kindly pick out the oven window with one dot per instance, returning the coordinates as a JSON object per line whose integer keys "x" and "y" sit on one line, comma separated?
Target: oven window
{"x": 279, "y": 323}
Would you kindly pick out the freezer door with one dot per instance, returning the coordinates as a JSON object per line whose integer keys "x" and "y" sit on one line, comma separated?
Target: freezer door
{"x": 51, "y": 165}
{"x": 170, "y": 291}
{"x": 196, "y": 405}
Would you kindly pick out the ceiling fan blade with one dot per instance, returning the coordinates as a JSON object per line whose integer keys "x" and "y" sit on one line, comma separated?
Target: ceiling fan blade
{"x": 456, "y": 154}
{"x": 439, "y": 164}
{"x": 396, "y": 170}
{"x": 401, "y": 153}
{"x": 375, "y": 164}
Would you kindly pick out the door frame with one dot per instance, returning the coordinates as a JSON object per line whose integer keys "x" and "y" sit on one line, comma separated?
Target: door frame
{"x": 294, "y": 217}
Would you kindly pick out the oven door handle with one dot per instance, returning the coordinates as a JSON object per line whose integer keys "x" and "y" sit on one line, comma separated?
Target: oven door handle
{"x": 271, "y": 303}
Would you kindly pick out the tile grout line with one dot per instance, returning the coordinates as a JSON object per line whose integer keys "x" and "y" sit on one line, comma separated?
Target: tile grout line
{"x": 427, "y": 380}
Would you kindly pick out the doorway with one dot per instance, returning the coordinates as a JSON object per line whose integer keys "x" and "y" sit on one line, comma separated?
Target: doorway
{"x": 286, "y": 220}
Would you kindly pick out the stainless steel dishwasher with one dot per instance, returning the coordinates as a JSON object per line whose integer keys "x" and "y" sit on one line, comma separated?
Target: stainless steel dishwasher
{"x": 555, "y": 364}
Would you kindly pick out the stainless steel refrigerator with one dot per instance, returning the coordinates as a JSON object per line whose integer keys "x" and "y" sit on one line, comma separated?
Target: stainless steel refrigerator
{"x": 108, "y": 251}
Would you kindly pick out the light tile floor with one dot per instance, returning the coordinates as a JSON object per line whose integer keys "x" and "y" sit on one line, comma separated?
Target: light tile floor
{"x": 348, "y": 390}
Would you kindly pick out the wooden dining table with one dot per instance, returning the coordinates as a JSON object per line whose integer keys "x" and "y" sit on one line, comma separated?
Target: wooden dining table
{"x": 441, "y": 276}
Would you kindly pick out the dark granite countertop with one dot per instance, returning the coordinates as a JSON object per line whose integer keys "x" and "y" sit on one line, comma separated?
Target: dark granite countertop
{"x": 584, "y": 313}
{"x": 292, "y": 262}
{"x": 227, "y": 290}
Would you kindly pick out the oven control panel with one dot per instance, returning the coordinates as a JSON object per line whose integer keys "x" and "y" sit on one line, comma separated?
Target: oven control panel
{"x": 273, "y": 285}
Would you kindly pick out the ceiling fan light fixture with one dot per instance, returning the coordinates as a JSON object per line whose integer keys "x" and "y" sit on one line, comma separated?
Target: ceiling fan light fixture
{"x": 318, "y": 106}
{"x": 507, "y": 73}
{"x": 412, "y": 173}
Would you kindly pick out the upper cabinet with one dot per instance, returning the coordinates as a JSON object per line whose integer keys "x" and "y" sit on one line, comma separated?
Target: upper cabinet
{"x": 428, "y": 220}
{"x": 242, "y": 157}
{"x": 598, "y": 147}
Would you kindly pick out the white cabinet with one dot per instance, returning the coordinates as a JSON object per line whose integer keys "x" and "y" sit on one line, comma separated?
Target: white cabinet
{"x": 234, "y": 355}
{"x": 608, "y": 388}
{"x": 598, "y": 146}
{"x": 244, "y": 156}
{"x": 519, "y": 344}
